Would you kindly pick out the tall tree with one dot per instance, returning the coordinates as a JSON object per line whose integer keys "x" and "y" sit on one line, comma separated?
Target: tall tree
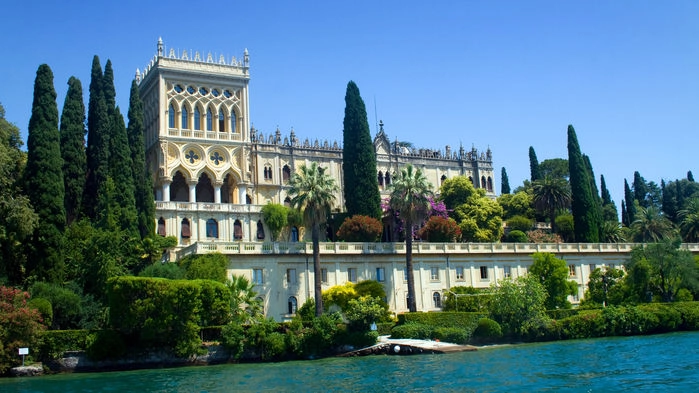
{"x": 640, "y": 189}
{"x": 17, "y": 217}
{"x": 143, "y": 182}
{"x": 73, "y": 148}
{"x": 534, "y": 165}
{"x": 410, "y": 192}
{"x": 553, "y": 274}
{"x": 98, "y": 126}
{"x": 624, "y": 214}
{"x": 689, "y": 221}
{"x": 650, "y": 226}
{"x": 690, "y": 176}
{"x": 594, "y": 189}
{"x": 584, "y": 205}
{"x": 361, "y": 187}
{"x": 609, "y": 212}
{"x": 121, "y": 172}
{"x": 43, "y": 181}
{"x": 505, "y": 182}
{"x": 551, "y": 195}
{"x": 630, "y": 204}
{"x": 313, "y": 192}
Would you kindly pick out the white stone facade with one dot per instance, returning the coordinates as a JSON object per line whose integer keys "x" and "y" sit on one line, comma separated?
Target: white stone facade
{"x": 213, "y": 171}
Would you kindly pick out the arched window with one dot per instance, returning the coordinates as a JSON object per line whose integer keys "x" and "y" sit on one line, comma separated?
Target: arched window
{"x": 444, "y": 177}
{"x": 221, "y": 121}
{"x": 161, "y": 227}
{"x": 388, "y": 178}
{"x": 293, "y": 305}
{"x": 212, "y": 228}
{"x": 490, "y": 183}
{"x": 248, "y": 199}
{"x": 185, "y": 230}
{"x": 294, "y": 234}
{"x": 437, "y": 300}
{"x": 268, "y": 172}
{"x": 287, "y": 202}
{"x": 233, "y": 121}
{"x": 209, "y": 120}
{"x": 286, "y": 173}
{"x": 197, "y": 119}
{"x": 205, "y": 190}
{"x": 237, "y": 230}
{"x": 482, "y": 181}
{"x": 380, "y": 178}
{"x": 260, "y": 231}
{"x": 179, "y": 190}
{"x": 171, "y": 116}
{"x": 185, "y": 118}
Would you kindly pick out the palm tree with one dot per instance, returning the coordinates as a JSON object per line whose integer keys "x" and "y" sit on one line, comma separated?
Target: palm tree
{"x": 245, "y": 305}
{"x": 409, "y": 196}
{"x": 312, "y": 191}
{"x": 689, "y": 224}
{"x": 611, "y": 232}
{"x": 550, "y": 195}
{"x": 651, "y": 226}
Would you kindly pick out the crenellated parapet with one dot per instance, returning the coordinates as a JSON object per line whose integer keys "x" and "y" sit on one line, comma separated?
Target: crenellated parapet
{"x": 292, "y": 141}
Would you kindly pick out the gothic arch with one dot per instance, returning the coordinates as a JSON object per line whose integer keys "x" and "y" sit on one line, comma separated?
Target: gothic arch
{"x": 490, "y": 184}
{"x": 483, "y": 185}
{"x": 179, "y": 190}
{"x": 172, "y": 115}
{"x": 205, "y": 188}
{"x": 186, "y": 116}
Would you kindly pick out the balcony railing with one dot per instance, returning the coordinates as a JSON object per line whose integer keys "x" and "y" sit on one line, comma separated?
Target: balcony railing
{"x": 207, "y": 206}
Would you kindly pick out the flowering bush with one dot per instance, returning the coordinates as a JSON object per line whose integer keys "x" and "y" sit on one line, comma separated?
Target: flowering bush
{"x": 539, "y": 236}
{"x": 20, "y": 326}
{"x": 360, "y": 229}
{"x": 440, "y": 229}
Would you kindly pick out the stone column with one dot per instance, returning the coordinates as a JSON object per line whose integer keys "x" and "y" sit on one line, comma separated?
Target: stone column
{"x": 166, "y": 191}
{"x": 242, "y": 190}
{"x": 192, "y": 190}
{"x": 217, "y": 191}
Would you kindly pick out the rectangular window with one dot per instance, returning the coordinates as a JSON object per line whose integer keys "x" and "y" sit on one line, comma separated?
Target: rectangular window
{"x": 257, "y": 278}
{"x": 380, "y": 274}
{"x": 571, "y": 270}
{"x": 611, "y": 266}
{"x": 459, "y": 273}
{"x": 508, "y": 271}
{"x": 484, "y": 272}
{"x": 405, "y": 274}
{"x": 291, "y": 276}
{"x": 324, "y": 275}
{"x": 352, "y": 274}
{"x": 592, "y": 267}
{"x": 434, "y": 273}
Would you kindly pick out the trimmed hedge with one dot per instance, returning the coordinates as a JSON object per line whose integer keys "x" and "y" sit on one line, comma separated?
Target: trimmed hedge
{"x": 56, "y": 342}
{"x": 463, "y": 320}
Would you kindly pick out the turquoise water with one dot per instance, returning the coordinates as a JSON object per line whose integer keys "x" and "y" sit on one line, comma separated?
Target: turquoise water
{"x": 662, "y": 363}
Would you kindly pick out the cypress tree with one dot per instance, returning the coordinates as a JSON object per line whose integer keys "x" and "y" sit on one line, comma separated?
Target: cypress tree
{"x": 97, "y": 142}
{"x": 505, "y": 182}
{"x": 586, "y": 219}
{"x": 73, "y": 148}
{"x": 143, "y": 182}
{"x": 534, "y": 165}
{"x": 361, "y": 186}
{"x": 624, "y": 214}
{"x": 640, "y": 189}
{"x": 43, "y": 181}
{"x": 609, "y": 212}
{"x": 606, "y": 196}
{"x": 630, "y": 205}
{"x": 121, "y": 173}
{"x": 593, "y": 186}
{"x": 690, "y": 176}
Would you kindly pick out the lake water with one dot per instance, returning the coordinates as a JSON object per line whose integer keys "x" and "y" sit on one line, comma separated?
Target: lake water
{"x": 661, "y": 363}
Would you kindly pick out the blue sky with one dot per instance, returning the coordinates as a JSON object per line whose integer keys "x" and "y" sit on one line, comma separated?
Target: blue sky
{"x": 500, "y": 74}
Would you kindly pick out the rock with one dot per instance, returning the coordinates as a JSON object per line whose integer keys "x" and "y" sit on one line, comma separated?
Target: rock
{"x": 27, "y": 371}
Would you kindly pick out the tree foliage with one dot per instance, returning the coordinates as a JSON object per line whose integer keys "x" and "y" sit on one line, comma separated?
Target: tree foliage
{"x": 361, "y": 187}
{"x": 73, "y": 148}
{"x": 276, "y": 218}
{"x": 142, "y": 180}
{"x": 517, "y": 204}
{"x": 97, "y": 154}
{"x": 550, "y": 196}
{"x": 43, "y": 181}
{"x": 556, "y": 168}
{"x": 505, "y": 182}
{"x": 440, "y": 229}
{"x": 360, "y": 228}
{"x": 535, "y": 173}
{"x": 410, "y": 192}
{"x": 516, "y": 304}
{"x": 552, "y": 273}
{"x": 479, "y": 217}
{"x": 313, "y": 192}
{"x": 583, "y": 203}
{"x": 605, "y": 287}
{"x": 205, "y": 266}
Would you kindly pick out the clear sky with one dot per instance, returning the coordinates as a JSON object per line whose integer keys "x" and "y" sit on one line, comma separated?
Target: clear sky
{"x": 500, "y": 74}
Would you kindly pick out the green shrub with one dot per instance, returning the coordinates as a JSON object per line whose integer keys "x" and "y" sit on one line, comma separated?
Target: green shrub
{"x": 360, "y": 228}
{"x": 585, "y": 324}
{"x": 384, "y": 329}
{"x": 358, "y": 339}
{"x": 520, "y": 223}
{"x": 516, "y": 236}
{"x": 562, "y": 313}
{"x": 44, "y": 307}
{"x": 55, "y": 342}
{"x": 105, "y": 344}
{"x": 487, "y": 328}
{"x": 669, "y": 318}
{"x": 450, "y": 335}
{"x": 627, "y": 321}
{"x": 413, "y": 330}
{"x": 690, "y": 314}
{"x": 233, "y": 339}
